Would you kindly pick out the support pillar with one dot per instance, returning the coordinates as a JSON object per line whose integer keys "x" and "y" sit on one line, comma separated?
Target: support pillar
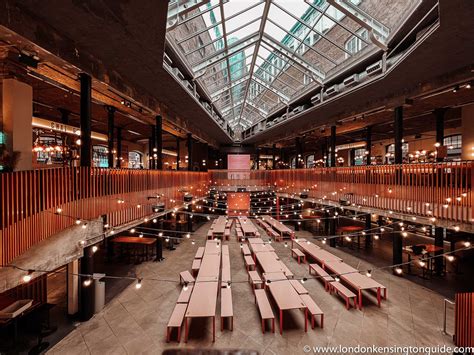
{"x": 368, "y": 146}
{"x": 333, "y": 146}
{"x": 439, "y": 242}
{"x": 439, "y": 114}
{"x": 190, "y": 151}
{"x": 299, "y": 154}
{"x": 119, "y": 147}
{"x": 110, "y": 135}
{"x": 257, "y": 159}
{"x": 274, "y": 157}
{"x": 352, "y": 157}
{"x": 467, "y": 117}
{"x": 87, "y": 292}
{"x": 17, "y": 109}
{"x": 332, "y": 231}
{"x": 397, "y": 245}
{"x": 86, "y": 106}
{"x": 152, "y": 149}
{"x": 73, "y": 287}
{"x": 368, "y": 233}
{"x": 398, "y": 131}
{"x": 178, "y": 156}
{"x": 159, "y": 142}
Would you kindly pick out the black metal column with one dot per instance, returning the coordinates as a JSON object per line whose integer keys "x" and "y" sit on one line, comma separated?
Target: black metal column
{"x": 397, "y": 245}
{"x": 333, "y": 146}
{"x": 178, "y": 157}
{"x": 86, "y": 104}
{"x": 439, "y": 113}
{"x": 257, "y": 159}
{"x": 332, "y": 231}
{"x": 439, "y": 242}
{"x": 110, "y": 135}
{"x": 299, "y": 154}
{"x": 190, "y": 151}
{"x": 159, "y": 142}
{"x": 87, "y": 292}
{"x": 368, "y": 233}
{"x": 119, "y": 147}
{"x": 398, "y": 130}
{"x": 352, "y": 157}
{"x": 368, "y": 146}
{"x": 274, "y": 157}
{"x": 152, "y": 149}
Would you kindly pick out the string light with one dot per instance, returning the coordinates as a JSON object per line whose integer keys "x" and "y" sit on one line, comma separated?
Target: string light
{"x": 27, "y": 278}
{"x": 95, "y": 248}
{"x": 138, "y": 285}
{"x": 87, "y": 282}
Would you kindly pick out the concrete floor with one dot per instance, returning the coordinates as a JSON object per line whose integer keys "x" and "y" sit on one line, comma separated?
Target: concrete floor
{"x": 134, "y": 322}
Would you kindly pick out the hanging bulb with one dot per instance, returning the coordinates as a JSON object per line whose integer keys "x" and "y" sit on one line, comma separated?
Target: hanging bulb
{"x": 160, "y": 234}
{"x": 167, "y": 239}
{"x": 138, "y": 285}
{"x": 87, "y": 282}
{"x": 193, "y": 242}
{"x": 337, "y": 279}
{"x": 228, "y": 284}
{"x": 185, "y": 287}
{"x": 27, "y": 278}
{"x": 376, "y": 237}
{"x": 467, "y": 244}
{"x": 398, "y": 270}
{"x": 369, "y": 273}
{"x": 78, "y": 221}
{"x": 450, "y": 257}
{"x": 188, "y": 235}
{"x": 422, "y": 263}
{"x": 303, "y": 280}
{"x": 286, "y": 245}
{"x": 132, "y": 230}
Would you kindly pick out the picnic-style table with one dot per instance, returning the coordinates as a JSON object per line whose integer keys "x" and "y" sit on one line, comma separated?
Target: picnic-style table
{"x": 287, "y": 298}
{"x": 210, "y": 265}
{"x": 202, "y": 303}
{"x": 218, "y": 228}
{"x": 356, "y": 280}
{"x": 269, "y": 262}
{"x": 248, "y": 228}
{"x": 261, "y": 248}
{"x": 278, "y": 226}
{"x": 273, "y": 276}
{"x": 321, "y": 255}
{"x": 212, "y": 247}
{"x": 253, "y": 241}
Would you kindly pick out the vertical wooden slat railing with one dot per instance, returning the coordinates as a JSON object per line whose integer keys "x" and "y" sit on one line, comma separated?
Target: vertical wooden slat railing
{"x": 439, "y": 190}
{"x": 29, "y": 200}
{"x": 464, "y": 320}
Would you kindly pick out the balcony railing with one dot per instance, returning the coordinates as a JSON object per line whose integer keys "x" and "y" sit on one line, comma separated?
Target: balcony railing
{"x": 29, "y": 200}
{"x": 439, "y": 190}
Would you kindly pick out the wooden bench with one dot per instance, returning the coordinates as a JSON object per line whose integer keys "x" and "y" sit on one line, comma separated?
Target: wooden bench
{"x": 299, "y": 254}
{"x": 176, "y": 320}
{"x": 286, "y": 271}
{"x": 249, "y": 263}
{"x": 227, "y": 311}
{"x": 186, "y": 277}
{"x": 254, "y": 279}
{"x": 196, "y": 266}
{"x": 298, "y": 287}
{"x": 318, "y": 270}
{"x": 313, "y": 309}
{"x": 264, "y": 308}
{"x": 227, "y": 234}
{"x": 245, "y": 250}
{"x": 343, "y": 291}
{"x": 185, "y": 295}
{"x": 199, "y": 253}
{"x": 209, "y": 235}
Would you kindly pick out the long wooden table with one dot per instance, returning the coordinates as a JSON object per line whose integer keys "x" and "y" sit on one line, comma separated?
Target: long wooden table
{"x": 278, "y": 226}
{"x": 355, "y": 279}
{"x": 320, "y": 255}
{"x": 202, "y": 303}
{"x": 287, "y": 298}
{"x": 219, "y": 227}
{"x": 269, "y": 262}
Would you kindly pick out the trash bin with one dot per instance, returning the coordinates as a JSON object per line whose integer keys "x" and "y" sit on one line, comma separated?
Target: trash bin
{"x": 99, "y": 293}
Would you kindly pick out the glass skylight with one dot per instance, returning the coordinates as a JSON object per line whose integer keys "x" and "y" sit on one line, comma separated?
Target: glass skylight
{"x": 255, "y": 57}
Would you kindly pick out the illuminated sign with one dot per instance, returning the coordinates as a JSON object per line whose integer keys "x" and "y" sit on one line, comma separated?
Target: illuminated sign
{"x": 64, "y": 128}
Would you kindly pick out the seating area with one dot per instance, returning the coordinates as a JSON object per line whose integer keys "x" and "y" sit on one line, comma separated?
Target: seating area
{"x": 198, "y": 297}
{"x": 172, "y": 167}
{"x": 331, "y": 265}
